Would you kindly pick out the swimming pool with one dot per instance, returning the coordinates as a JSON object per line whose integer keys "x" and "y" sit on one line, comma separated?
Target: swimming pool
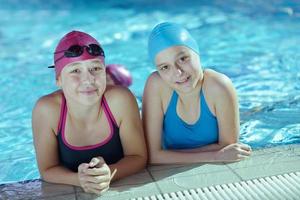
{"x": 255, "y": 43}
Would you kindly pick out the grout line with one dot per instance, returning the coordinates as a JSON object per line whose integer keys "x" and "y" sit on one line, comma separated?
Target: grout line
{"x": 75, "y": 192}
{"x": 153, "y": 179}
{"x": 233, "y": 171}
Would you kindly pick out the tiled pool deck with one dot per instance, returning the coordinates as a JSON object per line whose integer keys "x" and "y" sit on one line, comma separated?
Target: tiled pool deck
{"x": 169, "y": 178}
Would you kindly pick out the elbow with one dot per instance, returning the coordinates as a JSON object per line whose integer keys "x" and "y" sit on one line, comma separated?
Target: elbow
{"x": 44, "y": 175}
{"x": 154, "y": 158}
{"x": 141, "y": 162}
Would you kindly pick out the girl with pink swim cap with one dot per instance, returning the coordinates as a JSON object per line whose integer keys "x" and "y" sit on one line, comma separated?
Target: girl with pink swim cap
{"x": 83, "y": 133}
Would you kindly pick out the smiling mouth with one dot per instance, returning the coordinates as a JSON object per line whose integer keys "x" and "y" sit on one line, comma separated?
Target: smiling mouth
{"x": 89, "y": 92}
{"x": 184, "y": 80}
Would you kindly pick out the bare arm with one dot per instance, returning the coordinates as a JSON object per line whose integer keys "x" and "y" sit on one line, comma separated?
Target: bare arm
{"x": 227, "y": 112}
{"x": 207, "y": 148}
{"x": 45, "y": 144}
{"x": 132, "y": 136}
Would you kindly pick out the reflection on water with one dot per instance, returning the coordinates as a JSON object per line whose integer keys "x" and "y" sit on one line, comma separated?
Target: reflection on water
{"x": 253, "y": 42}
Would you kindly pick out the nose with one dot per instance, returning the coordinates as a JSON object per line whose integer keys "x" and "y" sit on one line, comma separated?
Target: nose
{"x": 87, "y": 77}
{"x": 178, "y": 70}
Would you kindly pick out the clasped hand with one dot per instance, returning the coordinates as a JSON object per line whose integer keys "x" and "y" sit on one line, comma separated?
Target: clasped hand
{"x": 95, "y": 176}
{"x": 233, "y": 152}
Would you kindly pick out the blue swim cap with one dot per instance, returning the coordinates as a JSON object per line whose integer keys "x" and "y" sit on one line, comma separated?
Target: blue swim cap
{"x": 168, "y": 34}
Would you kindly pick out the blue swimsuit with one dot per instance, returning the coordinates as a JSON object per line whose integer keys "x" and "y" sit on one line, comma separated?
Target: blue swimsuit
{"x": 177, "y": 134}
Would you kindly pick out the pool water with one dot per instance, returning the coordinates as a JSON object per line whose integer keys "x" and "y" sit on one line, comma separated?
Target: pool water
{"x": 256, "y": 43}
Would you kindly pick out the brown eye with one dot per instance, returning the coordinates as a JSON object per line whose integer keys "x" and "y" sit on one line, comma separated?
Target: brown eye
{"x": 164, "y": 67}
{"x": 183, "y": 58}
{"x": 75, "y": 71}
{"x": 96, "y": 69}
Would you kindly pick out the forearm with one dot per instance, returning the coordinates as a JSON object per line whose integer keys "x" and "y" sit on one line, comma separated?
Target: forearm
{"x": 207, "y": 148}
{"x": 128, "y": 166}
{"x": 62, "y": 175}
{"x": 175, "y": 157}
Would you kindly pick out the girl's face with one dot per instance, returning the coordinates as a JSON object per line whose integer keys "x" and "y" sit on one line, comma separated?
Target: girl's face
{"x": 179, "y": 67}
{"x": 83, "y": 81}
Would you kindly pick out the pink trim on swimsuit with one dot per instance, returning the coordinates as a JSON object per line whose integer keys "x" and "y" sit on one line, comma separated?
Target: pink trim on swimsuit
{"x": 106, "y": 110}
{"x": 109, "y": 112}
{"x": 61, "y": 112}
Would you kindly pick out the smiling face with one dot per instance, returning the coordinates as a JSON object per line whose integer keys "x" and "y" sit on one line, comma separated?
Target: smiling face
{"x": 84, "y": 81}
{"x": 179, "y": 67}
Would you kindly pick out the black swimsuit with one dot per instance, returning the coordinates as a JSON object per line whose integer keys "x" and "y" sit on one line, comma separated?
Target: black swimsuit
{"x": 72, "y": 156}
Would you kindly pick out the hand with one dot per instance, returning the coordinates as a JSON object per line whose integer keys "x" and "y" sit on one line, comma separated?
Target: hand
{"x": 233, "y": 152}
{"x": 94, "y": 177}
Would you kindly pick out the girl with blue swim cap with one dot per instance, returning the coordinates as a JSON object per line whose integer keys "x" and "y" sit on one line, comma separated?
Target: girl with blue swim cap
{"x": 190, "y": 115}
{"x": 83, "y": 133}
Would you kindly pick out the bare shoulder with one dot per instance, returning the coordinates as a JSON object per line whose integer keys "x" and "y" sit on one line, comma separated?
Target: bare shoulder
{"x": 154, "y": 78}
{"x": 217, "y": 84}
{"x": 48, "y": 102}
{"x": 156, "y": 90}
{"x": 118, "y": 94}
{"x": 44, "y": 106}
{"x": 155, "y": 82}
{"x": 121, "y": 102}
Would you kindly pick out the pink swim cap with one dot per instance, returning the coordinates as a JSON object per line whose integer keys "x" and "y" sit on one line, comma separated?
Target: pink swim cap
{"x": 119, "y": 74}
{"x": 73, "y": 38}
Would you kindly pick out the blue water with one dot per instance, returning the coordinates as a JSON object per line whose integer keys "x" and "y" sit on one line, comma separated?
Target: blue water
{"x": 256, "y": 43}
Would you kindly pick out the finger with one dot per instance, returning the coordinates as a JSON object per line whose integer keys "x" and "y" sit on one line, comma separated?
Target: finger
{"x": 241, "y": 157}
{"x": 101, "y": 159}
{"x": 97, "y": 171}
{"x": 82, "y": 167}
{"x": 101, "y": 162}
{"x": 97, "y": 162}
{"x": 99, "y": 186}
{"x": 99, "y": 192}
{"x": 92, "y": 190}
{"x": 104, "y": 190}
{"x": 103, "y": 186}
{"x": 244, "y": 153}
{"x": 97, "y": 179}
{"x": 245, "y": 147}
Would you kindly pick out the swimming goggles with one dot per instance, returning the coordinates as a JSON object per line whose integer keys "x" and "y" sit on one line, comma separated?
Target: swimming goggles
{"x": 77, "y": 50}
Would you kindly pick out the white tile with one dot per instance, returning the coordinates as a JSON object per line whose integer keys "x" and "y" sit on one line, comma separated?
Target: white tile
{"x": 185, "y": 170}
{"x": 122, "y": 192}
{"x": 196, "y": 181}
{"x": 268, "y": 170}
{"x": 142, "y": 177}
{"x": 270, "y": 150}
{"x": 269, "y": 158}
{"x": 140, "y": 184}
